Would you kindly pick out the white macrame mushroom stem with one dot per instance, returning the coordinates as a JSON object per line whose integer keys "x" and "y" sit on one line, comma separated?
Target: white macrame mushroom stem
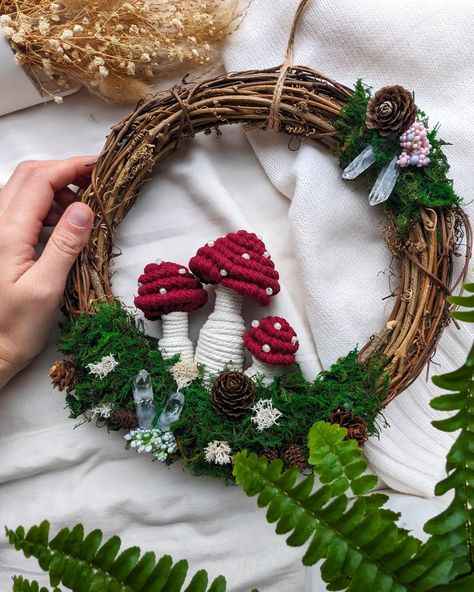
{"x": 175, "y": 338}
{"x": 266, "y": 371}
{"x": 220, "y": 344}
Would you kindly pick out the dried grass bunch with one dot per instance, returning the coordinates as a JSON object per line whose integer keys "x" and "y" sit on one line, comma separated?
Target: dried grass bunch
{"x": 116, "y": 48}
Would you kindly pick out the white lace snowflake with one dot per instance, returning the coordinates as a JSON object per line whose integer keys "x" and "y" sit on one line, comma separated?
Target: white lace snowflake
{"x": 265, "y": 414}
{"x": 184, "y": 372}
{"x": 102, "y": 410}
{"x": 103, "y": 367}
{"x": 218, "y": 452}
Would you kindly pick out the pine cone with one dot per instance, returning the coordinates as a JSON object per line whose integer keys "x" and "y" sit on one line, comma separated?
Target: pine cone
{"x": 124, "y": 419}
{"x": 270, "y": 454}
{"x": 232, "y": 394}
{"x": 391, "y": 110}
{"x": 63, "y": 375}
{"x": 293, "y": 456}
{"x": 355, "y": 425}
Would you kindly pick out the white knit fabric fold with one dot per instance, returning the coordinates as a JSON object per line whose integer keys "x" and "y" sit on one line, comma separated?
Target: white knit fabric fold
{"x": 340, "y": 253}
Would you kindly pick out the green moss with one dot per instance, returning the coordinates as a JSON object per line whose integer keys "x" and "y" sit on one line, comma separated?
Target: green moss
{"x": 114, "y": 330}
{"x": 428, "y": 186}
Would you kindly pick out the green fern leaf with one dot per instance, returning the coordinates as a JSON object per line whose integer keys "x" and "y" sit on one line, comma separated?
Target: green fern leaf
{"x": 453, "y": 529}
{"x": 83, "y": 564}
{"x": 359, "y": 542}
{"x": 20, "y": 584}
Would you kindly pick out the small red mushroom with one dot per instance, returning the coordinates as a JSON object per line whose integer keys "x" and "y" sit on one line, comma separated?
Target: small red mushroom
{"x": 273, "y": 344}
{"x": 168, "y": 291}
{"x": 240, "y": 265}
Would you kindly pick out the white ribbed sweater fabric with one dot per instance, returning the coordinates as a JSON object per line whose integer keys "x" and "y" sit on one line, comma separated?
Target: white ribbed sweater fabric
{"x": 427, "y": 47}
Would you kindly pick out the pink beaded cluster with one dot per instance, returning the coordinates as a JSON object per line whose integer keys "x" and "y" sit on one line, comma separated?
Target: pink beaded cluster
{"x": 416, "y": 146}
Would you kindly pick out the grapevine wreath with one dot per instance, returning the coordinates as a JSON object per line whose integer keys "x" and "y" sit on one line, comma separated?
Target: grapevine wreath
{"x": 199, "y": 404}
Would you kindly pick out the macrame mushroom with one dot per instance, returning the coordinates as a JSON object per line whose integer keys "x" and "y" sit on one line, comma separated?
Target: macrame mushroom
{"x": 169, "y": 291}
{"x": 241, "y": 267}
{"x": 273, "y": 344}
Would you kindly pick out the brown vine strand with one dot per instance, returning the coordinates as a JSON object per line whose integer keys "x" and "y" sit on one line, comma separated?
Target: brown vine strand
{"x": 308, "y": 107}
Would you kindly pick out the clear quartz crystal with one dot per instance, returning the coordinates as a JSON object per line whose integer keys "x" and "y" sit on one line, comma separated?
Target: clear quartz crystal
{"x": 360, "y": 163}
{"x": 385, "y": 183}
{"x": 171, "y": 411}
{"x": 143, "y": 395}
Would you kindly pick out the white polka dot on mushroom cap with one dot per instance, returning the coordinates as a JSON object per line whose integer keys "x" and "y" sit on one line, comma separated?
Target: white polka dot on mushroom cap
{"x": 163, "y": 291}
{"x": 210, "y": 243}
{"x": 269, "y": 291}
{"x": 255, "y": 324}
{"x": 294, "y": 339}
{"x": 158, "y": 261}
{"x": 277, "y": 326}
{"x": 223, "y": 272}
{"x": 181, "y": 270}
{"x": 245, "y": 256}
{"x": 266, "y": 254}
{"x": 266, "y": 348}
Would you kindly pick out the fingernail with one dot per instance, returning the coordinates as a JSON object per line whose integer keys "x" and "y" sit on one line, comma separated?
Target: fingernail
{"x": 79, "y": 215}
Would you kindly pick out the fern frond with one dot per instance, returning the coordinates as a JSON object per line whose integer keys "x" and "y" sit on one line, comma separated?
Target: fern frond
{"x": 453, "y": 529}
{"x": 361, "y": 546}
{"x": 85, "y": 564}
{"x": 20, "y": 584}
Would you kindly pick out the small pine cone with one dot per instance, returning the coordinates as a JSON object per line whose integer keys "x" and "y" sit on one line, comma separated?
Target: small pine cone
{"x": 124, "y": 419}
{"x": 63, "y": 375}
{"x": 270, "y": 454}
{"x": 391, "y": 110}
{"x": 233, "y": 394}
{"x": 293, "y": 456}
{"x": 355, "y": 425}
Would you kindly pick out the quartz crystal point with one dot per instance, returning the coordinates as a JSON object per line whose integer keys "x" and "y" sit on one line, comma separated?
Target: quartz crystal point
{"x": 360, "y": 163}
{"x": 385, "y": 183}
{"x": 143, "y": 395}
{"x": 171, "y": 411}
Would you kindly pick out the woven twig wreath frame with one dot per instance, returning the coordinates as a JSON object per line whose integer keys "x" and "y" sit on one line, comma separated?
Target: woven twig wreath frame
{"x": 307, "y": 107}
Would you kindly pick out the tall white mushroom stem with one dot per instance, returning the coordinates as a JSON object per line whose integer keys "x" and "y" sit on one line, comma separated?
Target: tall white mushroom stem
{"x": 175, "y": 338}
{"x": 220, "y": 342}
{"x": 266, "y": 371}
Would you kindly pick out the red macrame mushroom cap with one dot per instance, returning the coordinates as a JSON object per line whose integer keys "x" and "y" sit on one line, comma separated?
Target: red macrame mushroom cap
{"x": 272, "y": 340}
{"x": 168, "y": 287}
{"x": 238, "y": 261}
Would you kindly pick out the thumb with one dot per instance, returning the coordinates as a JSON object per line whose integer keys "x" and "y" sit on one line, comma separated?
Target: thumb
{"x": 63, "y": 247}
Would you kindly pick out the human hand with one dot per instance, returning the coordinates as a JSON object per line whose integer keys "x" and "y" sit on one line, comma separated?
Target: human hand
{"x": 31, "y": 287}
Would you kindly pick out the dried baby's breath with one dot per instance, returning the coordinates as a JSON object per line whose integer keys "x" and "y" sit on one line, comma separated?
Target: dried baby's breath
{"x": 115, "y": 48}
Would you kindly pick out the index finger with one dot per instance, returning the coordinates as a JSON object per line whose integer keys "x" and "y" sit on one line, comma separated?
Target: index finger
{"x": 30, "y": 191}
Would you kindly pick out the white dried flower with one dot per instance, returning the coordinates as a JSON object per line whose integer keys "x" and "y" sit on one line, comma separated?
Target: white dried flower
{"x": 266, "y": 415}
{"x": 54, "y": 43}
{"x": 54, "y": 6}
{"x": 67, "y": 34}
{"x": 102, "y": 410}
{"x": 103, "y": 366}
{"x": 43, "y": 26}
{"x": 18, "y": 37}
{"x": 145, "y": 57}
{"x": 78, "y": 29}
{"x": 119, "y": 27}
{"x": 134, "y": 29}
{"x": 8, "y": 32}
{"x": 218, "y": 452}
{"x": 59, "y": 100}
{"x": 103, "y": 71}
{"x": 184, "y": 372}
{"x": 56, "y": 18}
{"x": 97, "y": 61}
{"x": 177, "y": 23}
{"x": 5, "y": 19}
{"x": 46, "y": 63}
{"x": 195, "y": 52}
